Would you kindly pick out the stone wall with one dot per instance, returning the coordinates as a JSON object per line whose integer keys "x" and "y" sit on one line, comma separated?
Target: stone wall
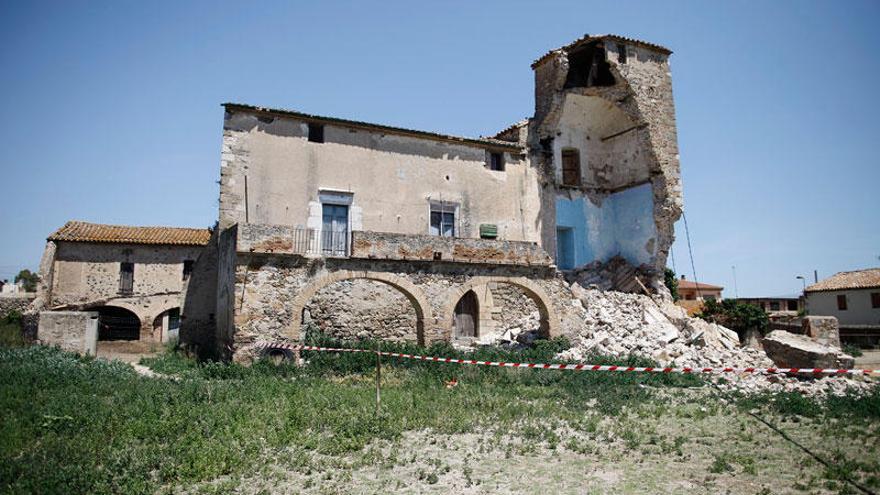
{"x": 513, "y": 309}
{"x": 381, "y": 245}
{"x": 359, "y": 308}
{"x": 74, "y": 331}
{"x": 18, "y": 303}
{"x": 272, "y": 292}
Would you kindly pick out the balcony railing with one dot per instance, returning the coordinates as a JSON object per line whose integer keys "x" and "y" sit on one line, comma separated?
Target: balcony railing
{"x": 320, "y": 242}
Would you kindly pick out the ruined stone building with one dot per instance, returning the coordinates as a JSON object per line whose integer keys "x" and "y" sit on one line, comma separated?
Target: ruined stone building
{"x": 360, "y": 229}
{"x": 132, "y": 278}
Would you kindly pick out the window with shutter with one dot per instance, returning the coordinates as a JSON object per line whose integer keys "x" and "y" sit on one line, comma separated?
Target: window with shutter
{"x": 126, "y": 278}
{"x": 571, "y": 168}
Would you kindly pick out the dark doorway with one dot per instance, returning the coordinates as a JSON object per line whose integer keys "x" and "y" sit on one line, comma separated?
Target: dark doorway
{"x": 467, "y": 316}
{"x": 117, "y": 324}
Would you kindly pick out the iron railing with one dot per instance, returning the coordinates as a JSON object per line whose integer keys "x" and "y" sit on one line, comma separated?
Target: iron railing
{"x": 321, "y": 242}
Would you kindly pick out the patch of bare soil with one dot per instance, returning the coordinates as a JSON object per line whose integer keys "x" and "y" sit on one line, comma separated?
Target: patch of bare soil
{"x": 686, "y": 448}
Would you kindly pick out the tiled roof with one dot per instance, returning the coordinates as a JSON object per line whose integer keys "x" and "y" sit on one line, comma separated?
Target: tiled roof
{"x": 613, "y": 37}
{"x": 859, "y": 279}
{"x": 95, "y": 232}
{"x": 687, "y": 284}
{"x": 482, "y": 141}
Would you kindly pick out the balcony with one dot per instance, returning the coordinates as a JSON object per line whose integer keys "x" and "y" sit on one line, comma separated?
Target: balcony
{"x": 281, "y": 239}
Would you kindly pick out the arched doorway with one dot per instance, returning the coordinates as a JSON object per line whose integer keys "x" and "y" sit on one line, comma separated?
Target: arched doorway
{"x": 166, "y": 326}
{"x": 466, "y": 320}
{"x": 116, "y": 323}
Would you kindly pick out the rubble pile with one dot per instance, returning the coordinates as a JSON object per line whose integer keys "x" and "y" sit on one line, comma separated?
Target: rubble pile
{"x": 616, "y": 274}
{"x": 620, "y": 324}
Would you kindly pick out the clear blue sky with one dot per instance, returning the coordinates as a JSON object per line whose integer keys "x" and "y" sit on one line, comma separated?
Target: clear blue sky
{"x": 111, "y": 110}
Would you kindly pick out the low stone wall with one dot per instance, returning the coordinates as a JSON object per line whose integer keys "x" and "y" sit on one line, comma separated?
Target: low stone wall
{"x": 15, "y": 303}
{"x": 379, "y": 245}
{"x": 74, "y": 331}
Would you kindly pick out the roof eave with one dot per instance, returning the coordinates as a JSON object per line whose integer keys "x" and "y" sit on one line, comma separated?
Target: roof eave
{"x": 483, "y": 143}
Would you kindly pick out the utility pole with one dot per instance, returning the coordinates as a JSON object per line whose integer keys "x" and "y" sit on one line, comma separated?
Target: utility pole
{"x": 735, "y": 288}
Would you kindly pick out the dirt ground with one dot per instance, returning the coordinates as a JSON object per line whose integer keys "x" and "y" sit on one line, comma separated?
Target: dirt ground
{"x": 686, "y": 448}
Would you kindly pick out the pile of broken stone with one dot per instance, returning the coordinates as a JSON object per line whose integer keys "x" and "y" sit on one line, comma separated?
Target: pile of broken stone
{"x": 621, "y": 324}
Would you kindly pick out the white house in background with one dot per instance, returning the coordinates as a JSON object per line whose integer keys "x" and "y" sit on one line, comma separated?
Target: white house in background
{"x": 852, "y": 297}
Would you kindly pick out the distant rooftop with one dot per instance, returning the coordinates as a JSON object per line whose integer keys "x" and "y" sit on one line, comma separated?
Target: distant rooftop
{"x": 858, "y": 279}
{"x": 613, "y": 37}
{"x": 75, "y": 231}
{"x": 482, "y": 141}
{"x": 687, "y": 284}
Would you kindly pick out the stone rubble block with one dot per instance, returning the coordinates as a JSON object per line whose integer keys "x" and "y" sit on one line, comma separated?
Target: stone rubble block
{"x": 790, "y": 350}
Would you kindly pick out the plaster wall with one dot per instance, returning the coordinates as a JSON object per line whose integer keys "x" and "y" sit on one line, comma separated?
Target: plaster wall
{"x": 616, "y": 224}
{"x": 74, "y": 331}
{"x": 392, "y": 179}
{"x": 858, "y": 306}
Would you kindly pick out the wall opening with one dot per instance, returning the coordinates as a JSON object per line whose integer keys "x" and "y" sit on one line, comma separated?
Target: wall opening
{"x": 117, "y": 324}
{"x": 571, "y": 167}
{"x": 588, "y": 67}
{"x": 517, "y": 313}
{"x": 467, "y": 316}
{"x": 565, "y": 248}
{"x": 166, "y": 326}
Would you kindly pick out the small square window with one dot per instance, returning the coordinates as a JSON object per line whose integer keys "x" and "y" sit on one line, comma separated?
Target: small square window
{"x": 496, "y": 162}
{"x": 875, "y": 300}
{"x": 316, "y": 133}
{"x": 841, "y": 302}
{"x": 443, "y": 220}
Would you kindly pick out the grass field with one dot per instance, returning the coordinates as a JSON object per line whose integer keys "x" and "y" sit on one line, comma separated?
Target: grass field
{"x": 75, "y": 425}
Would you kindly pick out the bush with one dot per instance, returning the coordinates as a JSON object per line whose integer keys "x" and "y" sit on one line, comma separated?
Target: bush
{"x": 852, "y": 349}
{"x": 671, "y": 282}
{"x": 735, "y": 315}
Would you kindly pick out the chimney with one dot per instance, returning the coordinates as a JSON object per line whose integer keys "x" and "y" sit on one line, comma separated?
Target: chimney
{"x": 682, "y": 276}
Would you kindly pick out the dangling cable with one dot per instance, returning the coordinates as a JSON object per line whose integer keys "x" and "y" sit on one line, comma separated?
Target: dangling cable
{"x": 687, "y": 234}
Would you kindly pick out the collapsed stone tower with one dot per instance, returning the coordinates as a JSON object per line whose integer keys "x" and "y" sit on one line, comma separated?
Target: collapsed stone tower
{"x": 604, "y": 137}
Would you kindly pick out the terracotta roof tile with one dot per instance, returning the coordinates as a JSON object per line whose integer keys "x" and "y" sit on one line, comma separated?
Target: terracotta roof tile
{"x": 613, "y": 37}
{"x": 75, "y": 231}
{"x": 687, "y": 284}
{"x": 858, "y": 279}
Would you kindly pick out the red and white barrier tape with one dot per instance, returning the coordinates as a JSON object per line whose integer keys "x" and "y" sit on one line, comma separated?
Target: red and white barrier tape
{"x": 573, "y": 367}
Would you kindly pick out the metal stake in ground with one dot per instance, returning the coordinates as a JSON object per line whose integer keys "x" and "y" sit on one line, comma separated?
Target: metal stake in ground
{"x": 378, "y": 378}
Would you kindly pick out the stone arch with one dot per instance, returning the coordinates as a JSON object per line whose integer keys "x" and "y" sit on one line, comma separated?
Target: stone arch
{"x": 413, "y": 293}
{"x": 117, "y": 322}
{"x": 550, "y": 325}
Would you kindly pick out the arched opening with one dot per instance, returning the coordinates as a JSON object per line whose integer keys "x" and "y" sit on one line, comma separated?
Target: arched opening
{"x": 116, "y": 323}
{"x": 303, "y": 316}
{"x": 516, "y": 314}
{"x": 166, "y": 326}
{"x": 466, "y": 319}
{"x": 507, "y": 307}
{"x": 362, "y": 308}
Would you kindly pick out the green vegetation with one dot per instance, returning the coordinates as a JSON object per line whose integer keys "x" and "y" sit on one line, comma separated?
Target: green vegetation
{"x": 29, "y": 278}
{"x": 11, "y": 330}
{"x": 75, "y": 424}
{"x": 852, "y": 349}
{"x": 671, "y": 282}
{"x": 735, "y": 315}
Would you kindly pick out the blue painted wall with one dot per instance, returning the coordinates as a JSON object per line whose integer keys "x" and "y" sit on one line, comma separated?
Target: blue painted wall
{"x": 623, "y": 224}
